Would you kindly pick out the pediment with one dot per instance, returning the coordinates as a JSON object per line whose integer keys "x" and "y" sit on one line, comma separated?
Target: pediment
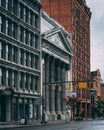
{"x": 55, "y": 34}
{"x": 56, "y": 39}
{"x": 59, "y": 38}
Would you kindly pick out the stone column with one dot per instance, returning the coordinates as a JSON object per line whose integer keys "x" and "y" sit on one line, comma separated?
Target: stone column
{"x": 63, "y": 87}
{"x": 47, "y": 81}
{"x": 52, "y": 96}
{"x": 58, "y": 89}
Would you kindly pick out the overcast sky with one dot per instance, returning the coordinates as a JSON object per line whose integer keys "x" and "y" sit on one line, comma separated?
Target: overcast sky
{"x": 97, "y": 35}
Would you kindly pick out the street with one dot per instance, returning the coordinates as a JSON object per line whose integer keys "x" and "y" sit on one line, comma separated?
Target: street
{"x": 87, "y": 125}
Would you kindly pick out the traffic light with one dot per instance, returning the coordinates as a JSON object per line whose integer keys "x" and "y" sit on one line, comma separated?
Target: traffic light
{"x": 94, "y": 85}
{"x": 70, "y": 87}
{"x": 60, "y": 88}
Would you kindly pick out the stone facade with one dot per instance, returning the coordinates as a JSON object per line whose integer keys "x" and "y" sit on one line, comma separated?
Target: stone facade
{"x": 57, "y": 61}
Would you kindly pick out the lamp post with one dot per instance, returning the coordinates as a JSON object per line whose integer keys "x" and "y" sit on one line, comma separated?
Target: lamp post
{"x": 92, "y": 103}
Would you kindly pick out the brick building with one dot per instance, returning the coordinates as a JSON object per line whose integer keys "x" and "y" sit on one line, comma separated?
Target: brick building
{"x": 96, "y": 77}
{"x": 102, "y": 91}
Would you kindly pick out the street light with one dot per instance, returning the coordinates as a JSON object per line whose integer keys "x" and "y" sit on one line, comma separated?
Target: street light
{"x": 92, "y": 103}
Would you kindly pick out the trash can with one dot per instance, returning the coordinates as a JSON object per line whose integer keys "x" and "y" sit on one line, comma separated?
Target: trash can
{"x": 23, "y": 121}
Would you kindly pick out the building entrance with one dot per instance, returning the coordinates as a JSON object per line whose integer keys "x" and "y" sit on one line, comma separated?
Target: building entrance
{"x": 2, "y": 108}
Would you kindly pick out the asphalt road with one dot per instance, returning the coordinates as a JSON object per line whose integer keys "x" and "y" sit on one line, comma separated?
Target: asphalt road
{"x": 89, "y": 125}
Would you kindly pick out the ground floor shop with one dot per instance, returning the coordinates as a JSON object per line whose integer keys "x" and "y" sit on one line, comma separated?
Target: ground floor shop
{"x": 13, "y": 108}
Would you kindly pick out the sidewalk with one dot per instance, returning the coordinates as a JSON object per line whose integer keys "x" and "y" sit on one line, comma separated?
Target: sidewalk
{"x": 4, "y": 125}
{"x": 10, "y": 125}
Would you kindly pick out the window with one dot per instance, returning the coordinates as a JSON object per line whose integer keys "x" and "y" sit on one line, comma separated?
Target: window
{"x": 31, "y": 18}
{"x": 1, "y": 25}
{"x": 7, "y": 52}
{"x": 36, "y": 42}
{"x": 14, "y": 78}
{"x": 36, "y": 62}
{"x": 7, "y": 77}
{"x": 4, "y": 76}
{"x": 36, "y": 83}
{"x": 26, "y": 14}
{"x": 27, "y": 59}
{"x": 77, "y": 12}
{"x": 27, "y": 81}
{"x": 2, "y": 3}
{"x": 32, "y": 61}
{"x": 37, "y": 21}
{"x": 8, "y": 27}
{"x": 26, "y": 37}
{"x": 0, "y": 49}
{"x": 30, "y": 83}
{"x": 21, "y": 11}
{"x": 34, "y": 19}
{"x": 21, "y": 80}
{"x": 3, "y": 51}
{"x": 14, "y": 30}
{"x": 31, "y": 39}
{"x": 21, "y": 56}
{"x": 15, "y": 7}
{"x": 7, "y": 5}
{"x": 14, "y": 54}
{"x": 21, "y": 34}
{"x": 24, "y": 58}
{"x": 0, "y": 76}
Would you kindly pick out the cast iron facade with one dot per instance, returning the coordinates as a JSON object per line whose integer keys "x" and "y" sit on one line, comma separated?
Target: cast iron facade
{"x": 19, "y": 59}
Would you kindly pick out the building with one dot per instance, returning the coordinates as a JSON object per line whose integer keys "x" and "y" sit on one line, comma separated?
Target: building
{"x": 102, "y": 91}
{"x": 74, "y": 16}
{"x": 99, "y": 92}
{"x": 96, "y": 77}
{"x": 20, "y": 55}
{"x": 56, "y": 66}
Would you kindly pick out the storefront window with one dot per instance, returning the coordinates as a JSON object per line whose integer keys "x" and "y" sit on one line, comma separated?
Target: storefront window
{"x": 21, "y": 108}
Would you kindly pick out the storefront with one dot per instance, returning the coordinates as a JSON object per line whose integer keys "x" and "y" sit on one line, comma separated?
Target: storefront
{"x": 14, "y": 107}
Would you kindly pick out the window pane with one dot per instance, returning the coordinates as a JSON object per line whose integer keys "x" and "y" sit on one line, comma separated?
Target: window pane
{"x": 7, "y": 5}
{"x": 0, "y": 23}
{"x": 0, "y": 49}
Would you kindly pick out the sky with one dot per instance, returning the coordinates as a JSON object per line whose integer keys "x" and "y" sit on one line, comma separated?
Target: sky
{"x": 97, "y": 35}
